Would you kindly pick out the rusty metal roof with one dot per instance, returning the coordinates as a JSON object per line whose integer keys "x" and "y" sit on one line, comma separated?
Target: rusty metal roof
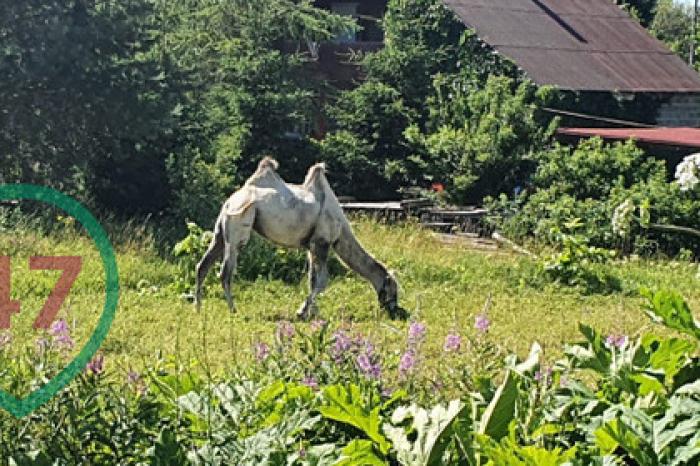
{"x": 589, "y": 45}
{"x": 677, "y": 137}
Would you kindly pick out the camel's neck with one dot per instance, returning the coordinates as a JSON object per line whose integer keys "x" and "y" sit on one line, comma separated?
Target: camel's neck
{"x": 359, "y": 260}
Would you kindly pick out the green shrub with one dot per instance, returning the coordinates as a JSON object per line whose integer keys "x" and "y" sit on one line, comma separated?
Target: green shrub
{"x": 364, "y": 154}
{"x": 577, "y": 263}
{"x": 328, "y": 396}
{"x": 484, "y": 137}
{"x": 436, "y": 101}
{"x": 593, "y": 168}
{"x": 589, "y": 182}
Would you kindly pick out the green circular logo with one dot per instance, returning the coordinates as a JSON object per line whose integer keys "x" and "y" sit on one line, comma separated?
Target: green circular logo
{"x": 21, "y": 407}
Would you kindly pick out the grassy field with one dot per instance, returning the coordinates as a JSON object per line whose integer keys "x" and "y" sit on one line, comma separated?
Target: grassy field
{"x": 441, "y": 285}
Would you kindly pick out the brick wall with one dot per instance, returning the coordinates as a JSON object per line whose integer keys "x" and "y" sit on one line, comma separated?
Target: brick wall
{"x": 680, "y": 110}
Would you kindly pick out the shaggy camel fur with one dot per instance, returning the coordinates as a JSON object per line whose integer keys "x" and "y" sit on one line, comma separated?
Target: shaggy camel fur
{"x": 305, "y": 216}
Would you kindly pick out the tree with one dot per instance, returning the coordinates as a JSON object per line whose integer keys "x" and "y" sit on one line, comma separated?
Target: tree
{"x": 393, "y": 130}
{"x": 643, "y": 10}
{"x": 246, "y": 85}
{"x": 80, "y": 95}
{"x": 673, "y": 24}
{"x": 150, "y": 104}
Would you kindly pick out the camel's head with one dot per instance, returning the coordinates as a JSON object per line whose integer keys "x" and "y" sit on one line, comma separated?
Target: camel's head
{"x": 389, "y": 296}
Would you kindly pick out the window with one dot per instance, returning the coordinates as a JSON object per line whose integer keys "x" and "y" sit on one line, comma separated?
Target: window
{"x": 346, "y": 9}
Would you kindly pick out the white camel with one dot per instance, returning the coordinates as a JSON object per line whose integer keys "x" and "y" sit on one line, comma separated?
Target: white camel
{"x": 305, "y": 216}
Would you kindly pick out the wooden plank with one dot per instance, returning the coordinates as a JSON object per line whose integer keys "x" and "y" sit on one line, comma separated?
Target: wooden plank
{"x": 372, "y": 206}
{"x": 458, "y": 213}
{"x": 438, "y": 225}
{"x": 483, "y": 244}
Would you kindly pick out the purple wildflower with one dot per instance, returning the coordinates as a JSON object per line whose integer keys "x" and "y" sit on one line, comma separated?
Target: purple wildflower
{"x": 59, "y": 328}
{"x": 285, "y": 330}
{"x": 453, "y": 343}
{"x": 617, "y": 341}
{"x": 5, "y": 339}
{"x": 262, "y": 351}
{"x": 64, "y": 341}
{"x": 545, "y": 376}
{"x": 416, "y": 333}
{"x": 367, "y": 367}
{"x": 407, "y": 362}
{"x": 387, "y": 392}
{"x": 318, "y": 325}
{"x": 364, "y": 363}
{"x": 133, "y": 377}
{"x": 96, "y": 366}
{"x": 367, "y": 360}
{"x": 341, "y": 345}
{"x": 310, "y": 382}
{"x": 60, "y": 331}
{"x": 42, "y": 344}
{"x": 482, "y": 323}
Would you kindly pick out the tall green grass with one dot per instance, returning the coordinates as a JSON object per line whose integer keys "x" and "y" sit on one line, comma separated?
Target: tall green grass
{"x": 445, "y": 286}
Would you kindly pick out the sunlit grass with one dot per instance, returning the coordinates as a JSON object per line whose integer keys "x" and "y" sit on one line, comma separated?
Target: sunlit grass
{"x": 444, "y": 286}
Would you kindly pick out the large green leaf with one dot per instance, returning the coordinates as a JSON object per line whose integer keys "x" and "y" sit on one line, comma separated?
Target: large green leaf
{"x": 501, "y": 410}
{"x": 670, "y": 356}
{"x": 616, "y": 434}
{"x": 430, "y": 432}
{"x": 359, "y": 452}
{"x": 592, "y": 354}
{"x": 348, "y": 407}
{"x": 507, "y": 452}
{"x": 670, "y": 309}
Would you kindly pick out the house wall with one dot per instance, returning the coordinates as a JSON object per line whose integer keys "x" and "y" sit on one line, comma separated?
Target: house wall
{"x": 680, "y": 110}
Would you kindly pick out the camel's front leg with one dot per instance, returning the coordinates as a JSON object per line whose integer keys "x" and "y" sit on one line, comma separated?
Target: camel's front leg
{"x": 318, "y": 277}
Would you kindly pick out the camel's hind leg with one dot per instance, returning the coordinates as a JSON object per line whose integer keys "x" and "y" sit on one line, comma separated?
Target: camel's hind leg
{"x": 318, "y": 277}
{"x": 228, "y": 268}
{"x": 236, "y": 235}
{"x": 213, "y": 253}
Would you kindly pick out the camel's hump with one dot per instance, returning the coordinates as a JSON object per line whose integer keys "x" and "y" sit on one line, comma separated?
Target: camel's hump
{"x": 314, "y": 173}
{"x": 268, "y": 162}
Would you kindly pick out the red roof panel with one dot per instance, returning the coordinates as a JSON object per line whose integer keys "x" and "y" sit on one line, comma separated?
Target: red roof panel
{"x": 684, "y": 137}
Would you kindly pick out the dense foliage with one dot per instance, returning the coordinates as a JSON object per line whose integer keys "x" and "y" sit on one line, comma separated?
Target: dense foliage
{"x": 588, "y": 183}
{"x": 644, "y": 10}
{"x": 436, "y": 101}
{"x": 152, "y": 105}
{"x": 85, "y": 105}
{"x": 243, "y": 92}
{"x": 328, "y": 397}
{"x": 673, "y": 24}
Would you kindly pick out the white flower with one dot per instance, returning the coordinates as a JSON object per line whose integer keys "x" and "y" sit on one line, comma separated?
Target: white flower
{"x": 622, "y": 217}
{"x": 688, "y": 172}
